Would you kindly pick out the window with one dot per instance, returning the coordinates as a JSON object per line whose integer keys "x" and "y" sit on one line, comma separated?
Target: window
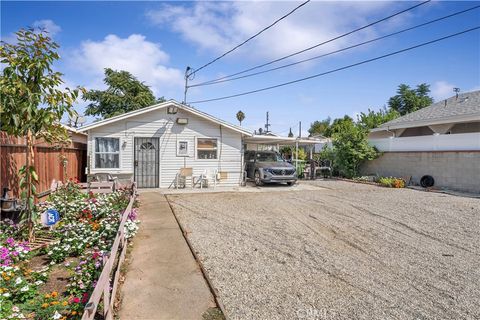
{"x": 147, "y": 146}
{"x": 107, "y": 153}
{"x": 206, "y": 148}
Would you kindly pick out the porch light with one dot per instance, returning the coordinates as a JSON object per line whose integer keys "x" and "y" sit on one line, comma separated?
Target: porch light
{"x": 172, "y": 110}
{"x": 182, "y": 120}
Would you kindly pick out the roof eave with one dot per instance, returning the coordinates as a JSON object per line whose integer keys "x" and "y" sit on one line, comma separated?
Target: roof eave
{"x": 421, "y": 123}
{"x": 163, "y": 105}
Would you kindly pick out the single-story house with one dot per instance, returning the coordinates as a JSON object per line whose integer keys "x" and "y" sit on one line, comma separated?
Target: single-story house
{"x": 441, "y": 140}
{"x": 151, "y": 144}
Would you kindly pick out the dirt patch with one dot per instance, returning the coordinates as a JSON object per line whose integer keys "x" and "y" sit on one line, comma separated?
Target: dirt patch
{"x": 38, "y": 262}
{"x": 213, "y": 314}
{"x": 58, "y": 276}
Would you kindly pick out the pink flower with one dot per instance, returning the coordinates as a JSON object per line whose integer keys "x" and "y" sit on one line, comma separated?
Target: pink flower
{"x": 76, "y": 300}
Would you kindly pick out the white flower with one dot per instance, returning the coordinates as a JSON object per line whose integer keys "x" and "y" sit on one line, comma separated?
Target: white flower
{"x": 7, "y": 294}
{"x": 57, "y": 315}
{"x": 24, "y": 288}
{"x": 18, "y": 280}
{"x": 39, "y": 282}
{"x": 15, "y": 309}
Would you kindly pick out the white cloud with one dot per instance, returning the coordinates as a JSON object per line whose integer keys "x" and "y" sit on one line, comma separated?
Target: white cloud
{"x": 144, "y": 59}
{"x": 442, "y": 90}
{"x": 47, "y": 25}
{"x": 218, "y": 27}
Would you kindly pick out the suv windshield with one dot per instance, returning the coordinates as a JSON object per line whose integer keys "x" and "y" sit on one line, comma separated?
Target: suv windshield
{"x": 269, "y": 157}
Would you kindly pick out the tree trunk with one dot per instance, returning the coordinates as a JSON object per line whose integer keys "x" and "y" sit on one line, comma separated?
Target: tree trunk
{"x": 28, "y": 178}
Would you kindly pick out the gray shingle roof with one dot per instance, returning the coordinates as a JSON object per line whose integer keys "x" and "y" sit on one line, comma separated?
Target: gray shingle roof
{"x": 466, "y": 106}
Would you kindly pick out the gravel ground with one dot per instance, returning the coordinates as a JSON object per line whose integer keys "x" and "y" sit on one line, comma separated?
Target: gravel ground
{"x": 343, "y": 251}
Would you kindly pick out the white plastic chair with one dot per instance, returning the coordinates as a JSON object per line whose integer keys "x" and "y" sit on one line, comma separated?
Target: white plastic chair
{"x": 208, "y": 177}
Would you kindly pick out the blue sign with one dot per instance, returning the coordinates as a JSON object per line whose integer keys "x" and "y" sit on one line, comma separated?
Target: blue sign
{"x": 50, "y": 217}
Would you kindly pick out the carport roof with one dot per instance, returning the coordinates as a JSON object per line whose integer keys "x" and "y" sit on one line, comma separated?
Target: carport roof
{"x": 264, "y": 139}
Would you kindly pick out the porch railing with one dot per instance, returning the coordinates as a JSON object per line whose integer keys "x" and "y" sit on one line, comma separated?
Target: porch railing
{"x": 110, "y": 275}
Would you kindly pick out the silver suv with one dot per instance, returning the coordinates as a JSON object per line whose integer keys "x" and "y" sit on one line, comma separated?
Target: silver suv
{"x": 268, "y": 166}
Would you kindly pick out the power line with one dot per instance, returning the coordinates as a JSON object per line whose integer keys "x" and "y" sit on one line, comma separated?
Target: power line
{"x": 333, "y": 52}
{"x": 255, "y": 35}
{"x": 338, "y": 69}
{"x": 320, "y": 44}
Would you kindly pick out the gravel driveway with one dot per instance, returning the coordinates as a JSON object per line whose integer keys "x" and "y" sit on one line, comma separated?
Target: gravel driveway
{"x": 342, "y": 251}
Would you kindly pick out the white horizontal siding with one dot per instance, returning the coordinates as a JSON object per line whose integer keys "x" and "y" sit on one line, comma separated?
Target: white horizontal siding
{"x": 159, "y": 124}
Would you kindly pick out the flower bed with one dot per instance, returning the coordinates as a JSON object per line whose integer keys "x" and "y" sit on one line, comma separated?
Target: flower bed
{"x": 89, "y": 223}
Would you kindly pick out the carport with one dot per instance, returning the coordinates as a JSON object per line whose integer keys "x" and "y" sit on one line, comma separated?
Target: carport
{"x": 274, "y": 142}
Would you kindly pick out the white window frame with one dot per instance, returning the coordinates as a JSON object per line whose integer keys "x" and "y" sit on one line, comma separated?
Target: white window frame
{"x": 197, "y": 149}
{"x": 187, "y": 149}
{"x": 118, "y": 152}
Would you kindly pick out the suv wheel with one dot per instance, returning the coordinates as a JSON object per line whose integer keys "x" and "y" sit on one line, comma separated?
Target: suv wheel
{"x": 258, "y": 179}
{"x": 290, "y": 183}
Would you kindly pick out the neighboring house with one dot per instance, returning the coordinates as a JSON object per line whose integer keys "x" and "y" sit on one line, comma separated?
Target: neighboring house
{"x": 150, "y": 145}
{"x": 442, "y": 140}
{"x": 48, "y": 160}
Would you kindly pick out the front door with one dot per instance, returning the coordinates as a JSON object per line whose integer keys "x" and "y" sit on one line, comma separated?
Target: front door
{"x": 146, "y": 162}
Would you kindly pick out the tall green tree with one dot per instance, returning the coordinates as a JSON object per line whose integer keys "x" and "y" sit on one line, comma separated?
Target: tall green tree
{"x": 351, "y": 148}
{"x": 409, "y": 100}
{"x": 336, "y": 126}
{"x": 319, "y": 127}
{"x": 240, "y": 116}
{"x": 125, "y": 93}
{"x": 32, "y": 104}
{"x": 373, "y": 119}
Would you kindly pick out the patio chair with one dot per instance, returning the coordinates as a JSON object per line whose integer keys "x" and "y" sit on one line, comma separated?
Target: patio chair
{"x": 182, "y": 176}
{"x": 208, "y": 177}
{"x": 325, "y": 166}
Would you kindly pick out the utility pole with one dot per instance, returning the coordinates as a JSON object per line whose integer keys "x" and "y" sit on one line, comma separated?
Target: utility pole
{"x": 267, "y": 125}
{"x": 300, "y": 129}
{"x": 187, "y": 77}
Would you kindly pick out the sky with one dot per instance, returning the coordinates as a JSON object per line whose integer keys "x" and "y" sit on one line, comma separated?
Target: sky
{"x": 156, "y": 41}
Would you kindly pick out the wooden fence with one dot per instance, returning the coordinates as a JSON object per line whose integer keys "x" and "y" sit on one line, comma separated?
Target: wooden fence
{"x": 48, "y": 162}
{"x": 111, "y": 270}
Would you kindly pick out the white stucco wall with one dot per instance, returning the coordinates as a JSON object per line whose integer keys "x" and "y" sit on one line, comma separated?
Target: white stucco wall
{"x": 162, "y": 125}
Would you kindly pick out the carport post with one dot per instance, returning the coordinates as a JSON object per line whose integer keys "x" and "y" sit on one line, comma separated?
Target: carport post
{"x": 296, "y": 156}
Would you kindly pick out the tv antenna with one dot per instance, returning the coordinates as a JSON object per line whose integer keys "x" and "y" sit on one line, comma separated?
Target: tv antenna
{"x": 456, "y": 90}
{"x": 76, "y": 121}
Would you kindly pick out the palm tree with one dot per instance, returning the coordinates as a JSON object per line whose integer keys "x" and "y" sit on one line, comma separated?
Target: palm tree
{"x": 240, "y": 116}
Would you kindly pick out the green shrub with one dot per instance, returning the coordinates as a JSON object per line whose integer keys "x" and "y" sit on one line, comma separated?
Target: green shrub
{"x": 392, "y": 182}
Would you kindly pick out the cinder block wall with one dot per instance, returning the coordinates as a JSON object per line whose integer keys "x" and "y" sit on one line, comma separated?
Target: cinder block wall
{"x": 453, "y": 170}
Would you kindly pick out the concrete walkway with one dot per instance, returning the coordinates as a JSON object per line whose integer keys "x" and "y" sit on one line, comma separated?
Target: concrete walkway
{"x": 163, "y": 280}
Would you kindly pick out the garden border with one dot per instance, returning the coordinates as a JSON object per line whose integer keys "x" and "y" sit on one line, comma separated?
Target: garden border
{"x": 102, "y": 289}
